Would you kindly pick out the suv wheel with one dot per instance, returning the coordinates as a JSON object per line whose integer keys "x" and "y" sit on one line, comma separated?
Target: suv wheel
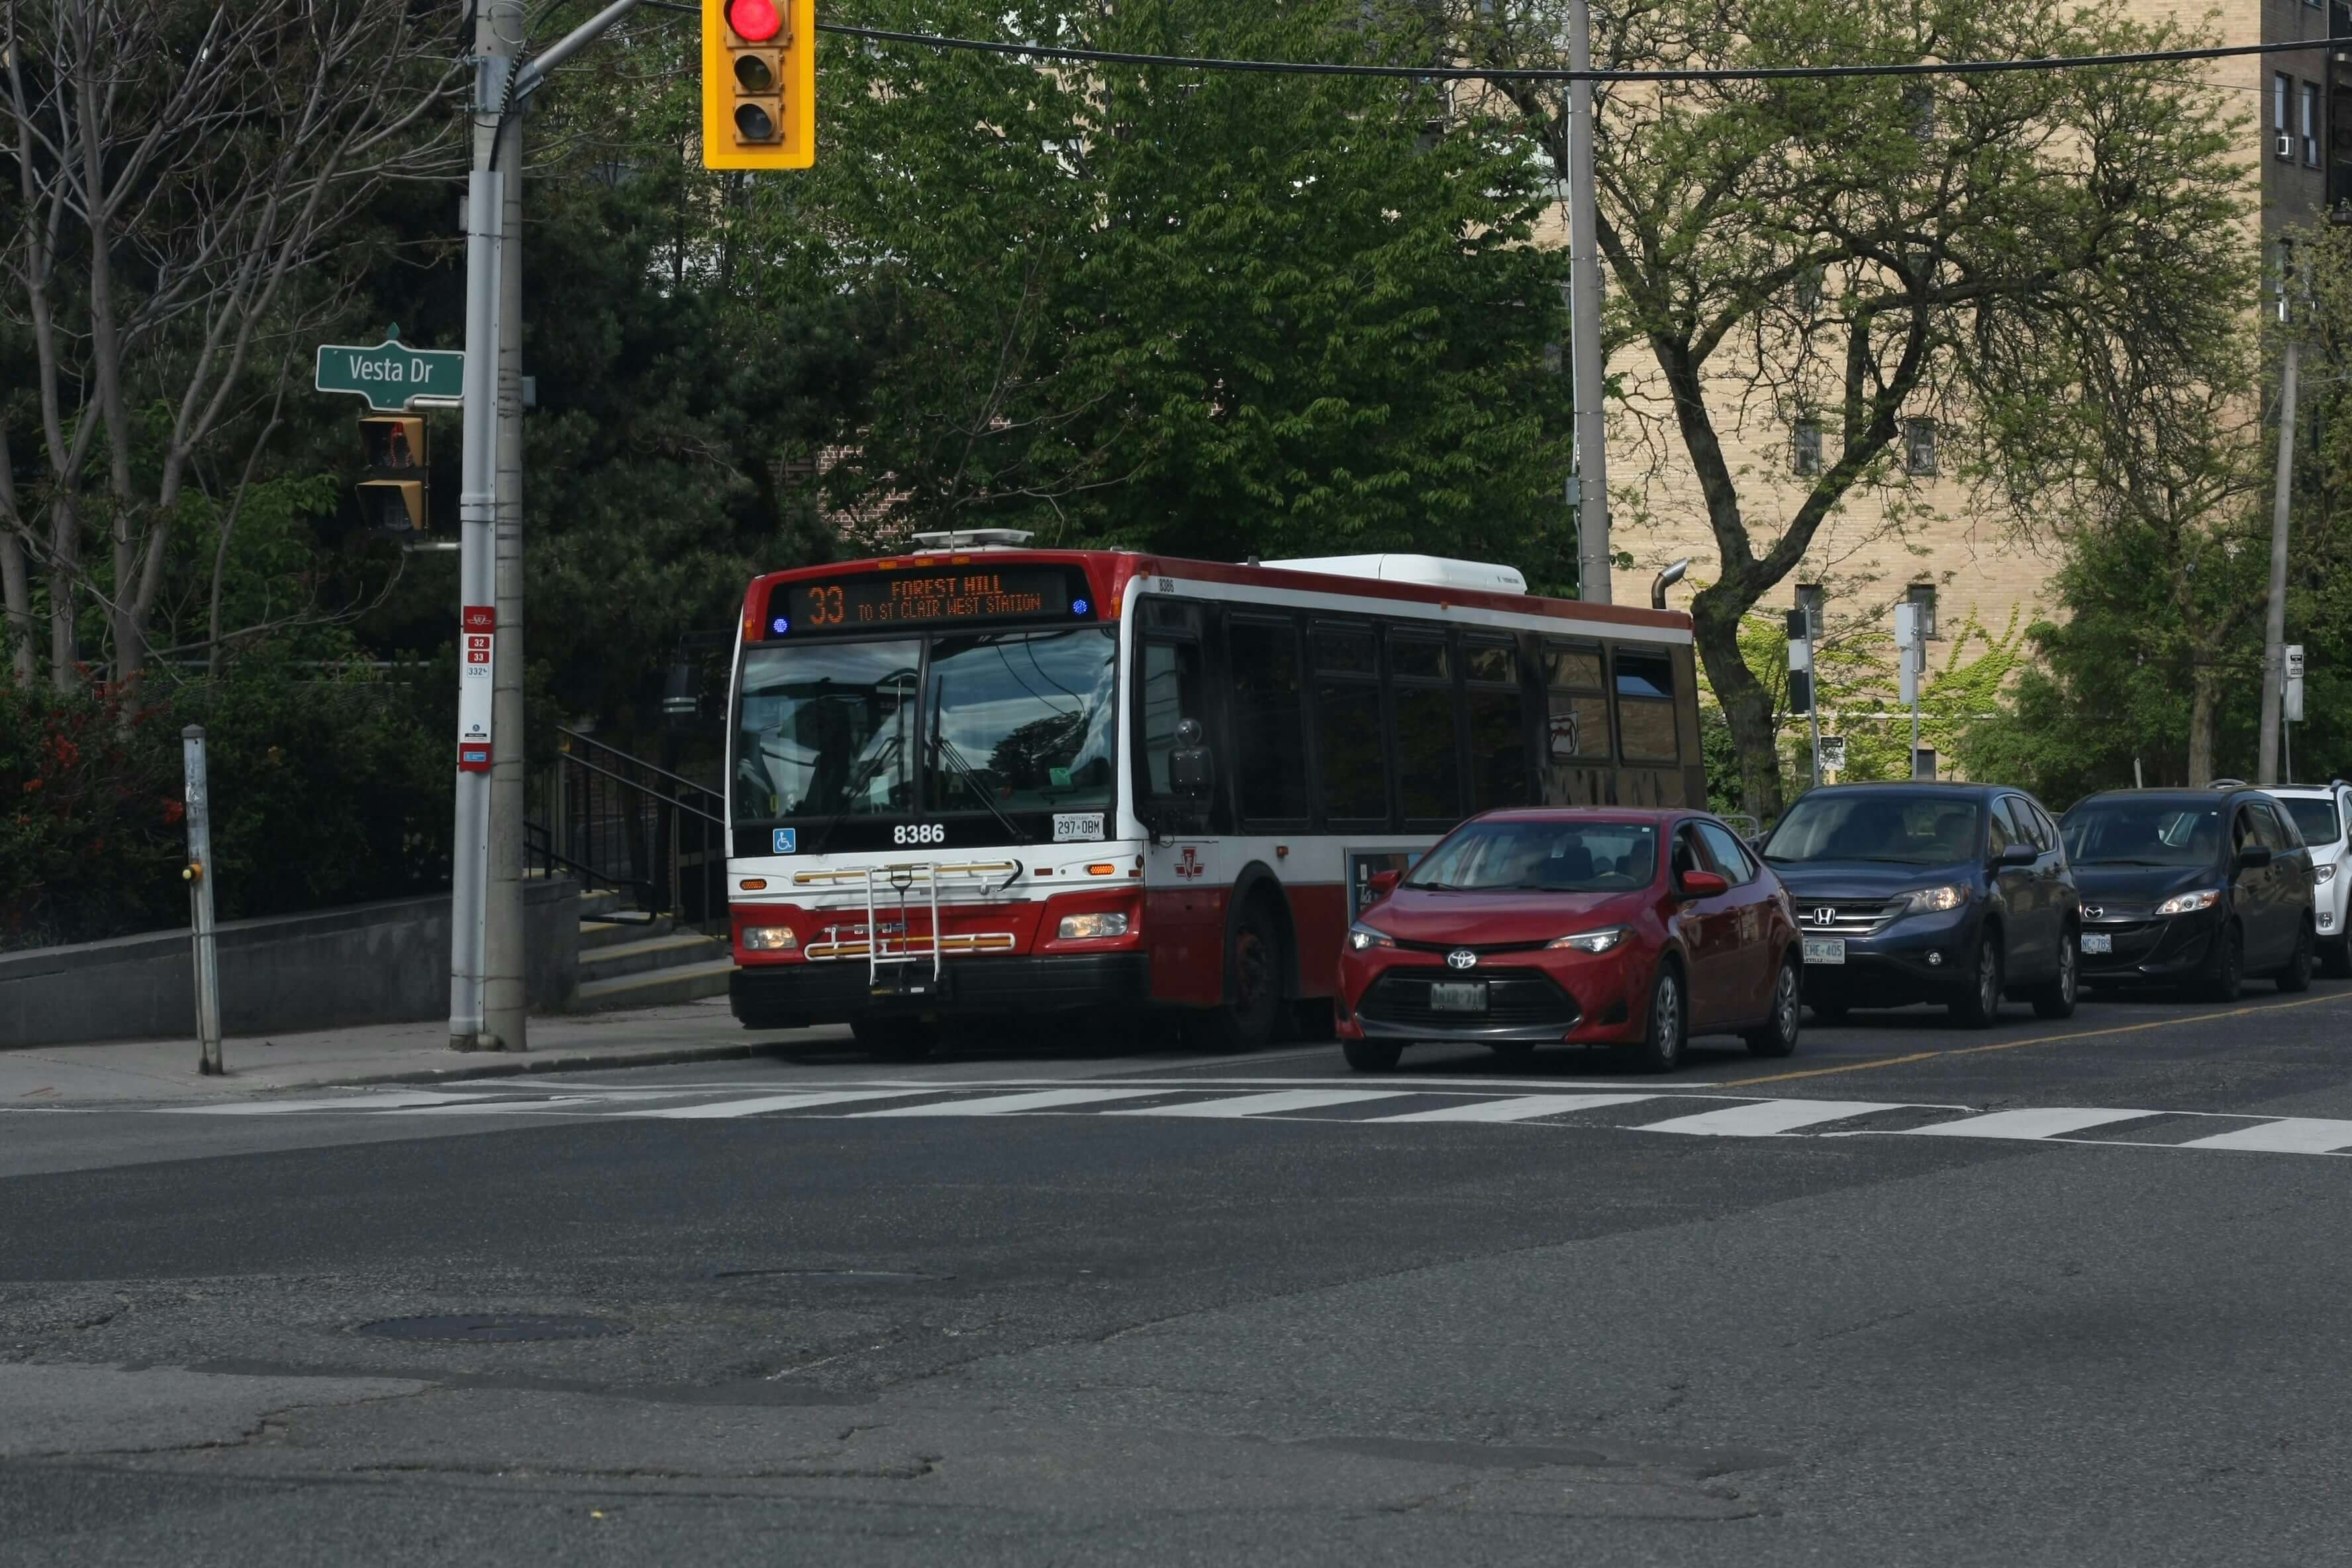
{"x": 2296, "y": 975}
{"x": 2056, "y": 998}
{"x": 1979, "y": 1007}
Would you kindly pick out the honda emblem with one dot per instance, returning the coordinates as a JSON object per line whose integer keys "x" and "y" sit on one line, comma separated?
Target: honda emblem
{"x": 1825, "y": 916}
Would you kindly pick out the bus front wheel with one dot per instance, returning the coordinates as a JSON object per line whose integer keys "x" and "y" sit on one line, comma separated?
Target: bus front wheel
{"x": 1254, "y": 983}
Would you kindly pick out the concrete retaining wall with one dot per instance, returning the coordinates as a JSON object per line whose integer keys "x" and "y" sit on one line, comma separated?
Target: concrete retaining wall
{"x": 369, "y": 964}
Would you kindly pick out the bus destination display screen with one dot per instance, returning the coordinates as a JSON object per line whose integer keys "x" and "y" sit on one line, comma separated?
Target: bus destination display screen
{"x": 927, "y": 597}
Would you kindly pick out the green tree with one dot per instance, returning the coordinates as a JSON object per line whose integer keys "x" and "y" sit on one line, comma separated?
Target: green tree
{"x": 1869, "y": 250}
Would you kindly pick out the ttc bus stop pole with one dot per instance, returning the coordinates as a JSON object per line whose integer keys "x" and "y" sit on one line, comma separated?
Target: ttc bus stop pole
{"x": 199, "y": 875}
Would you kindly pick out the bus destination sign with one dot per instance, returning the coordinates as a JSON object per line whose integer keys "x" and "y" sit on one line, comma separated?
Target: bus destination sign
{"x": 926, "y": 596}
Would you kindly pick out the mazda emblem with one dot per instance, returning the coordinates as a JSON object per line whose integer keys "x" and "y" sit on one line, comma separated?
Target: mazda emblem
{"x": 1461, "y": 958}
{"x": 2094, "y": 911}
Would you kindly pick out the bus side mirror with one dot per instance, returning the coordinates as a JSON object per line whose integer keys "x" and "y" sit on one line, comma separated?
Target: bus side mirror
{"x": 1190, "y": 769}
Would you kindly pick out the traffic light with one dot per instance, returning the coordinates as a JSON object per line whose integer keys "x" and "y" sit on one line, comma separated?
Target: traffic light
{"x": 758, "y": 84}
{"x": 396, "y": 496}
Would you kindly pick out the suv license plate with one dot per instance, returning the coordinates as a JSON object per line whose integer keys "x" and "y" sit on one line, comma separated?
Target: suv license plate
{"x": 1825, "y": 950}
{"x": 2098, "y": 942}
{"x": 1458, "y": 996}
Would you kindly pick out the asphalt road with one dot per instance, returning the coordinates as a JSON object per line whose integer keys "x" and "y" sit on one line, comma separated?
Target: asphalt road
{"x": 2054, "y": 1293}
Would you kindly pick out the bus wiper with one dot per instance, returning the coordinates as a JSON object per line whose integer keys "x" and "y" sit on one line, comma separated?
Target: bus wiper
{"x": 944, "y": 747}
{"x": 857, "y": 781}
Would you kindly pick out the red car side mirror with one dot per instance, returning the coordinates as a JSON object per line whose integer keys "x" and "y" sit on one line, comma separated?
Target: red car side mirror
{"x": 1384, "y": 883}
{"x": 1702, "y": 885}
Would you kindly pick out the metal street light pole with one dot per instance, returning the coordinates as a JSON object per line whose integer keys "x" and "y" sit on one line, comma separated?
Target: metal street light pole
{"x": 2282, "y": 498}
{"x": 1593, "y": 558}
{"x": 505, "y": 1004}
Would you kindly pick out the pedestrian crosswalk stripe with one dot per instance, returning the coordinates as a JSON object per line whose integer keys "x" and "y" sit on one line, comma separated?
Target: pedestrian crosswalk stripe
{"x": 1521, "y": 1108}
{"x": 2043, "y": 1121}
{"x": 1281, "y": 1104}
{"x": 1766, "y": 1117}
{"x": 2287, "y": 1135}
{"x": 1013, "y": 1104}
{"x": 1397, "y": 1102}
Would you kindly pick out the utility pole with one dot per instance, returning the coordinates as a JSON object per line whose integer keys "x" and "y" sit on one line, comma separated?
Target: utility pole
{"x": 2282, "y": 499}
{"x": 505, "y": 1004}
{"x": 487, "y": 997}
{"x": 1593, "y": 558}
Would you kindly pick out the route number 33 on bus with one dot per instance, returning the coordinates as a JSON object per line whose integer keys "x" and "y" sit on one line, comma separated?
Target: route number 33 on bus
{"x": 908, "y": 833}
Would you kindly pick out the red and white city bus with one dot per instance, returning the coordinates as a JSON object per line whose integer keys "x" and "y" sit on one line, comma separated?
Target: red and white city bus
{"x": 986, "y": 780}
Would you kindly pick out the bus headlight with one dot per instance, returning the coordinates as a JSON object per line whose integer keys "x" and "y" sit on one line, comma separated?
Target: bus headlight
{"x": 769, "y": 938}
{"x": 1078, "y": 927}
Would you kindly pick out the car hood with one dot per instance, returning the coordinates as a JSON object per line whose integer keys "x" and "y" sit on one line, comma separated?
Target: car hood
{"x": 1492, "y": 920}
{"x": 2141, "y": 884}
{"x": 1863, "y": 879}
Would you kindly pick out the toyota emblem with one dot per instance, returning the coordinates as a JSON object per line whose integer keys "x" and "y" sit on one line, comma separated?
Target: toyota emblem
{"x": 1461, "y": 958}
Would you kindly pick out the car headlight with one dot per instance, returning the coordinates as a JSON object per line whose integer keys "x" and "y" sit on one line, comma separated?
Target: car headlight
{"x": 1935, "y": 900}
{"x": 2323, "y": 875}
{"x": 2188, "y": 903}
{"x": 769, "y": 938}
{"x": 1360, "y": 937}
{"x": 1600, "y": 940}
{"x": 1075, "y": 927}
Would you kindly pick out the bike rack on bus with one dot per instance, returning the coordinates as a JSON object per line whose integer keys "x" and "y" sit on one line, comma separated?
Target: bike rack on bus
{"x": 901, "y": 878}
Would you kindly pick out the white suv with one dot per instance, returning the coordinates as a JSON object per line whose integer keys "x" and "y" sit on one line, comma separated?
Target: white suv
{"x": 2324, "y": 815}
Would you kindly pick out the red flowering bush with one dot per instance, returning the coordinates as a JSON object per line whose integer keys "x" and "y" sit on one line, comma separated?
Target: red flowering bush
{"x": 90, "y": 815}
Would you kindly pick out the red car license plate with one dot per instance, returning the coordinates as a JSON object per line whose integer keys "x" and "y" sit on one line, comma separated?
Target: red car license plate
{"x": 1458, "y": 996}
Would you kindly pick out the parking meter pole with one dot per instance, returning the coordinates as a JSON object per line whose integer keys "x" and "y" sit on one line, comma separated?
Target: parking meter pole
{"x": 205, "y": 945}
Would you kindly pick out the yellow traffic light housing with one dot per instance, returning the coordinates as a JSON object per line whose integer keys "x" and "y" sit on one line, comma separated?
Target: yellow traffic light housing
{"x": 392, "y": 507}
{"x": 758, "y": 84}
{"x": 395, "y": 497}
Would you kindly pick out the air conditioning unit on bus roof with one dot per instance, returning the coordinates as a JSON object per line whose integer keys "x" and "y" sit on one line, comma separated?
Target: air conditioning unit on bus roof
{"x": 1436, "y": 571}
{"x": 975, "y": 539}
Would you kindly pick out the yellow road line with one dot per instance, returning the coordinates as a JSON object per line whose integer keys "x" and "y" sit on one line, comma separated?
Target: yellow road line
{"x": 2038, "y": 1041}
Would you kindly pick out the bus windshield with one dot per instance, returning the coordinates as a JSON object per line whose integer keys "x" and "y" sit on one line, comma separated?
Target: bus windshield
{"x": 1010, "y": 722}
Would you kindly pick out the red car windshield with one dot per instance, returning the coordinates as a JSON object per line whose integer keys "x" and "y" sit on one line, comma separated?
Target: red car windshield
{"x": 1542, "y": 857}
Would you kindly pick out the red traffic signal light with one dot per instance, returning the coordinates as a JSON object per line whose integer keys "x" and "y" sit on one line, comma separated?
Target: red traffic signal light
{"x": 754, "y": 21}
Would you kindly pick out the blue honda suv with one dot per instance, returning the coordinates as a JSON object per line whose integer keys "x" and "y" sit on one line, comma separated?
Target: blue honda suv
{"x": 1930, "y": 892}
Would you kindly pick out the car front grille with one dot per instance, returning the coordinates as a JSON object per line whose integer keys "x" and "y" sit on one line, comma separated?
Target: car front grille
{"x": 1845, "y": 917}
{"x": 1517, "y": 998}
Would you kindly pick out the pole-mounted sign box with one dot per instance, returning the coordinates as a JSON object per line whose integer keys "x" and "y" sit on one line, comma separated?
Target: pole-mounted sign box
{"x": 478, "y": 628}
{"x": 390, "y": 376}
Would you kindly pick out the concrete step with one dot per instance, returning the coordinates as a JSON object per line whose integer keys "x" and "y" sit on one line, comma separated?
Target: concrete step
{"x": 597, "y": 902}
{"x": 657, "y": 987}
{"x": 669, "y": 950}
{"x": 601, "y": 933}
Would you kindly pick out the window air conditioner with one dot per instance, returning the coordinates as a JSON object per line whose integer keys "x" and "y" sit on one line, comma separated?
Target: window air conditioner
{"x": 2286, "y": 143}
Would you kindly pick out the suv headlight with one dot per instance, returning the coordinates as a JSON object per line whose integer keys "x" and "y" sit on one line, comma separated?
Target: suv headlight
{"x": 2189, "y": 903}
{"x": 1935, "y": 900}
{"x": 1076, "y": 926}
{"x": 2323, "y": 874}
{"x": 1360, "y": 937}
{"x": 1600, "y": 940}
{"x": 769, "y": 938}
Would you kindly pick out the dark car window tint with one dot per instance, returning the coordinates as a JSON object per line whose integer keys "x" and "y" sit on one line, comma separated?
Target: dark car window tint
{"x": 2045, "y": 832}
{"x": 2315, "y": 819}
{"x": 1898, "y": 828}
{"x": 1542, "y": 857}
{"x": 2002, "y": 832}
{"x": 2269, "y": 831}
{"x": 2129, "y": 831}
{"x": 1725, "y": 851}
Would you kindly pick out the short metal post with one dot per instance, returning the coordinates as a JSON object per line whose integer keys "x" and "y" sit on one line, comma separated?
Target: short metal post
{"x": 200, "y": 902}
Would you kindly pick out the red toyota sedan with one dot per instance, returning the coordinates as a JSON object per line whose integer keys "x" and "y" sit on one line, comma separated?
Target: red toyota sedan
{"x": 1587, "y": 926}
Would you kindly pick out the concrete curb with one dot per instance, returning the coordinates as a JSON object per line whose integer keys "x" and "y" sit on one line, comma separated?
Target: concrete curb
{"x": 526, "y": 1063}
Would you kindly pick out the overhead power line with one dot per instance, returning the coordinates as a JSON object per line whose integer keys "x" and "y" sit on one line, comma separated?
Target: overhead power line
{"x": 1552, "y": 73}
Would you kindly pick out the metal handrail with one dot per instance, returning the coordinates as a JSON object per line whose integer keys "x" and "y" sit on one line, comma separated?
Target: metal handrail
{"x": 618, "y": 821}
{"x": 634, "y": 762}
{"x": 646, "y": 789}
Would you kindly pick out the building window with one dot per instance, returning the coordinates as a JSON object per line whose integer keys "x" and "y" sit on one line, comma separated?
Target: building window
{"x": 2311, "y": 124}
{"x": 2281, "y": 96}
{"x": 1920, "y": 448}
{"x": 1806, "y": 455}
{"x": 1922, "y": 596}
{"x": 1815, "y": 603}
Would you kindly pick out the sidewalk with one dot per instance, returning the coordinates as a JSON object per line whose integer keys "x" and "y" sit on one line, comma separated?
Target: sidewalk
{"x": 133, "y": 1071}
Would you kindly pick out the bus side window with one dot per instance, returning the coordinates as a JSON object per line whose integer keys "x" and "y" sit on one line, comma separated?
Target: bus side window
{"x": 1171, "y": 690}
{"x": 1429, "y": 757}
{"x": 1350, "y": 750}
{"x": 1498, "y": 739}
{"x": 1269, "y": 720}
{"x": 1646, "y": 705}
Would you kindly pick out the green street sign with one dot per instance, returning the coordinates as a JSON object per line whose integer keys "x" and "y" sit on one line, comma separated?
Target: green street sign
{"x": 389, "y": 375}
